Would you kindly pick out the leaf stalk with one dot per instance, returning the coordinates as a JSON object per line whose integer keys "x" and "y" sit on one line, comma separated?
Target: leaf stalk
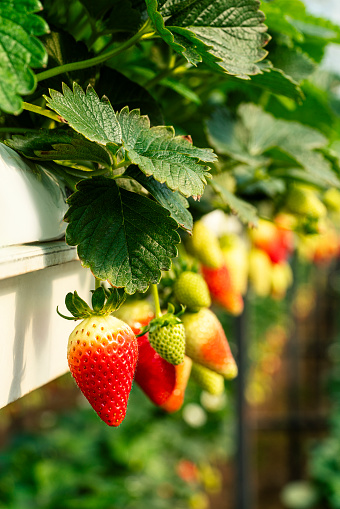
{"x": 146, "y": 31}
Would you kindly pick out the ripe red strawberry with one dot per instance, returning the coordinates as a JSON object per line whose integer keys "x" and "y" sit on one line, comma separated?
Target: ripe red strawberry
{"x": 155, "y": 376}
{"x": 192, "y": 291}
{"x": 207, "y": 344}
{"x": 102, "y": 355}
{"x": 275, "y": 239}
{"x": 221, "y": 289}
{"x": 175, "y": 401}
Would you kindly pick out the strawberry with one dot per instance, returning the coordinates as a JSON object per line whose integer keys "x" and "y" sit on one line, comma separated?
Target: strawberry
{"x": 260, "y": 269}
{"x": 192, "y": 291}
{"x": 102, "y": 354}
{"x": 204, "y": 245}
{"x": 136, "y": 313}
{"x": 281, "y": 279}
{"x": 208, "y": 380}
{"x": 175, "y": 401}
{"x": 304, "y": 201}
{"x": 207, "y": 344}
{"x": 222, "y": 290}
{"x": 235, "y": 255}
{"x": 275, "y": 239}
{"x": 155, "y": 376}
{"x": 169, "y": 341}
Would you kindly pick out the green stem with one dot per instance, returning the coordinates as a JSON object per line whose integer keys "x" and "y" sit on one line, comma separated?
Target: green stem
{"x": 155, "y": 295}
{"x": 96, "y": 283}
{"x": 145, "y": 32}
{"x": 174, "y": 69}
{"x": 17, "y": 130}
{"x": 42, "y": 111}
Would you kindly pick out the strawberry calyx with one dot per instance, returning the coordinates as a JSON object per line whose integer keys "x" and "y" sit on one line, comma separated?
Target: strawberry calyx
{"x": 169, "y": 318}
{"x": 104, "y": 302}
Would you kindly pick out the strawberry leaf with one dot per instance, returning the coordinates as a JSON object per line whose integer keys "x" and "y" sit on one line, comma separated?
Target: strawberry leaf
{"x": 175, "y": 203}
{"x": 59, "y": 144}
{"x": 124, "y": 238}
{"x": 20, "y": 51}
{"x": 94, "y": 118}
{"x": 228, "y": 36}
{"x": 158, "y": 152}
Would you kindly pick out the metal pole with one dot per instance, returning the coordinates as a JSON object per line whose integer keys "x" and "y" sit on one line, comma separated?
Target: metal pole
{"x": 243, "y": 490}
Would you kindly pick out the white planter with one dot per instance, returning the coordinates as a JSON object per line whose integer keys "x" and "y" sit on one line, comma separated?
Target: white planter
{"x": 33, "y": 282}
{"x": 34, "y": 278}
{"x": 32, "y": 201}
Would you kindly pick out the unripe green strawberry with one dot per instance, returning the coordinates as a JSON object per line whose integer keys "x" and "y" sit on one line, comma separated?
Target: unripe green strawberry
{"x": 207, "y": 344}
{"x": 192, "y": 291}
{"x": 304, "y": 201}
{"x": 207, "y": 379}
{"x": 204, "y": 245}
{"x": 102, "y": 355}
{"x": 169, "y": 342}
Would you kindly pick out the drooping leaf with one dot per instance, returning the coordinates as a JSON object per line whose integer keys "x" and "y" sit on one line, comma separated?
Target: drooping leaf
{"x": 20, "y": 51}
{"x": 246, "y": 212}
{"x": 253, "y": 137}
{"x": 158, "y": 152}
{"x": 174, "y": 202}
{"x": 92, "y": 117}
{"x": 294, "y": 62}
{"x": 275, "y": 80}
{"x": 227, "y": 35}
{"x": 124, "y": 238}
{"x": 59, "y": 144}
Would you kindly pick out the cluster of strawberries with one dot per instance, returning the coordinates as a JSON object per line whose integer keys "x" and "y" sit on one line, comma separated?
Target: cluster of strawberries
{"x": 160, "y": 351}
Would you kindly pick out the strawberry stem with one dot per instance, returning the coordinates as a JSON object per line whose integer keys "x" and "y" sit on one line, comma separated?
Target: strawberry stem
{"x": 96, "y": 283}
{"x": 155, "y": 295}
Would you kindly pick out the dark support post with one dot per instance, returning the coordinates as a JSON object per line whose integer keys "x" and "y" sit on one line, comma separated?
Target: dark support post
{"x": 243, "y": 493}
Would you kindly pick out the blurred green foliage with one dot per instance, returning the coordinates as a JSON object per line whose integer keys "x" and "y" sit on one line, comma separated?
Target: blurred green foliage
{"x": 72, "y": 460}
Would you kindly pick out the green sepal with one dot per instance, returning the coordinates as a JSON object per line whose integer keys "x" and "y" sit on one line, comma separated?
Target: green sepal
{"x": 169, "y": 318}
{"x": 98, "y": 299}
{"x": 116, "y": 297}
{"x": 104, "y": 302}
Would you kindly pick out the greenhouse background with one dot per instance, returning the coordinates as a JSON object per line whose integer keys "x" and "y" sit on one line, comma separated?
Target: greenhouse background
{"x": 271, "y": 438}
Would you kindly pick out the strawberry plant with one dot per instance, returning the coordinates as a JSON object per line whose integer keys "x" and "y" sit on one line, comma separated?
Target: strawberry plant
{"x": 155, "y": 113}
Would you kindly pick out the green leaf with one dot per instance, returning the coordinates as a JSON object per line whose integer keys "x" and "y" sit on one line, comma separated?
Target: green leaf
{"x": 94, "y": 118}
{"x": 59, "y": 144}
{"x": 276, "y": 81}
{"x": 175, "y": 203}
{"x": 169, "y": 158}
{"x": 124, "y": 238}
{"x": 244, "y": 210}
{"x": 156, "y": 150}
{"x": 20, "y": 51}
{"x": 227, "y": 35}
{"x": 294, "y": 62}
{"x": 252, "y": 138}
